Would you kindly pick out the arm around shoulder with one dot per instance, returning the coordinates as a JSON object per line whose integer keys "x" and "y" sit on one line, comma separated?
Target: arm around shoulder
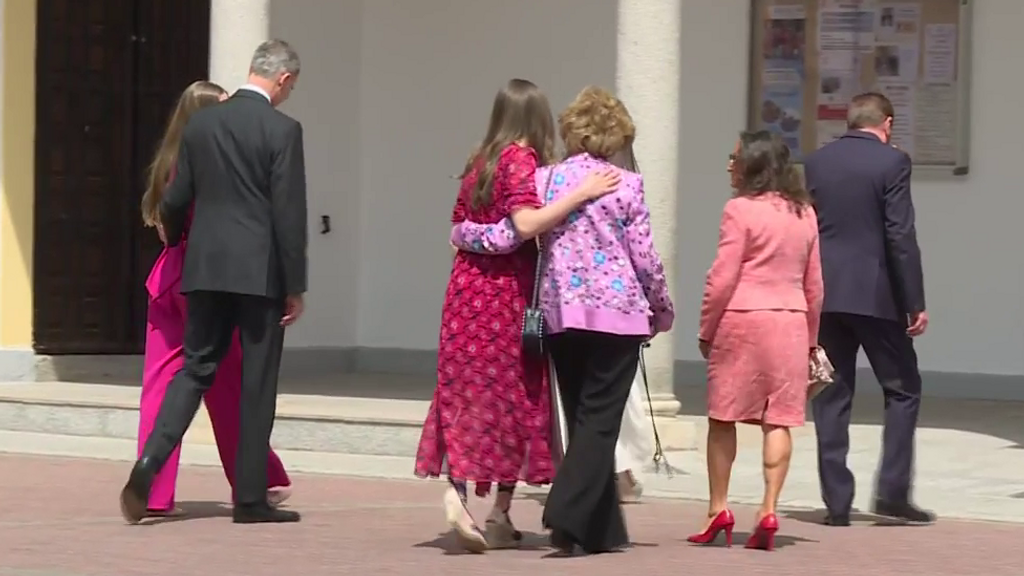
{"x": 288, "y": 200}
{"x": 531, "y": 218}
{"x": 500, "y": 238}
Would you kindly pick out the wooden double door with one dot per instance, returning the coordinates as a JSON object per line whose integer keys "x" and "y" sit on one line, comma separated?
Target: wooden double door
{"x": 108, "y": 73}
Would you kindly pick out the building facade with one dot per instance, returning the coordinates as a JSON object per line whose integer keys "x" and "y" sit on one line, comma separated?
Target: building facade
{"x": 392, "y": 95}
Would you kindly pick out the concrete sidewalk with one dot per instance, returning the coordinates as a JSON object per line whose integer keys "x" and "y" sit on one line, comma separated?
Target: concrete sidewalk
{"x": 959, "y": 474}
{"x": 970, "y": 461}
{"x": 61, "y": 519}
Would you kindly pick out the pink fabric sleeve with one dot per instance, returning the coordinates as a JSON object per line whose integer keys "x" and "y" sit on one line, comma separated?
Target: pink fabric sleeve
{"x": 724, "y": 274}
{"x": 650, "y": 270}
{"x": 500, "y": 238}
{"x": 814, "y": 285}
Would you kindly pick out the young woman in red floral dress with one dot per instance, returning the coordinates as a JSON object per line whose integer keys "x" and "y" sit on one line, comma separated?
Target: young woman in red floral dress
{"x": 489, "y": 421}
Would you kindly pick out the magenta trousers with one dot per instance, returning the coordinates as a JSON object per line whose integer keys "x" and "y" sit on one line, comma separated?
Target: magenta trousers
{"x": 164, "y": 356}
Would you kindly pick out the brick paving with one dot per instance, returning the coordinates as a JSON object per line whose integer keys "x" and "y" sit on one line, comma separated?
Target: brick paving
{"x": 59, "y": 517}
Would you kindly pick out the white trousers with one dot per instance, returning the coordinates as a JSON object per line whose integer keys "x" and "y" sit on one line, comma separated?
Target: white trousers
{"x": 635, "y": 446}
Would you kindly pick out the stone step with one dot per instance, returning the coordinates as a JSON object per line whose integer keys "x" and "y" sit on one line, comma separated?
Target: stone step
{"x": 202, "y": 454}
{"x": 321, "y": 423}
{"x": 337, "y": 424}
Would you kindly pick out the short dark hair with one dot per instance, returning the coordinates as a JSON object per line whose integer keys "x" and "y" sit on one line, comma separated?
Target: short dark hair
{"x": 869, "y": 110}
{"x": 763, "y": 166}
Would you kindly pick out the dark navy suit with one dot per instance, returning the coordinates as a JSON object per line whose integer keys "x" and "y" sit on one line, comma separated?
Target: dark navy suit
{"x": 871, "y": 264}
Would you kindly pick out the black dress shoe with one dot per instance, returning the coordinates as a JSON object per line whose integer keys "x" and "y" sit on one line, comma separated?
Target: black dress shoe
{"x": 837, "y": 519}
{"x": 902, "y": 511}
{"x": 135, "y": 494}
{"x": 562, "y": 542}
{"x": 261, "y": 513}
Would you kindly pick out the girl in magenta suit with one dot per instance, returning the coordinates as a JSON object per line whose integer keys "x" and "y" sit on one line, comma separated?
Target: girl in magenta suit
{"x": 165, "y": 328}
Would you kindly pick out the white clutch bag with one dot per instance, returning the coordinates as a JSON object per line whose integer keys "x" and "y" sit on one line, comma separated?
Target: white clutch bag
{"x": 821, "y": 372}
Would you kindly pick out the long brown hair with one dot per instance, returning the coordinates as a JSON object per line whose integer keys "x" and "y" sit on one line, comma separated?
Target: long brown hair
{"x": 198, "y": 95}
{"x": 520, "y": 113}
{"x": 763, "y": 166}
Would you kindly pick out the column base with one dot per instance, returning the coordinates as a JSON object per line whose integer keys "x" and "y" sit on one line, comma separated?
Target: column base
{"x": 678, "y": 433}
{"x": 17, "y": 365}
{"x": 664, "y": 405}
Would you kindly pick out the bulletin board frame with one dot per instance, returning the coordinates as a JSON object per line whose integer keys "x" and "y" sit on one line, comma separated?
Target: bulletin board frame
{"x": 802, "y": 75}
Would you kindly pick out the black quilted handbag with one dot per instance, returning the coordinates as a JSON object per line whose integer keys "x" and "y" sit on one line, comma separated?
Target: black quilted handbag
{"x": 533, "y": 317}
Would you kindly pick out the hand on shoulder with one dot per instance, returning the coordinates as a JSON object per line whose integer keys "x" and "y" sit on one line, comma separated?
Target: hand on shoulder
{"x": 600, "y": 182}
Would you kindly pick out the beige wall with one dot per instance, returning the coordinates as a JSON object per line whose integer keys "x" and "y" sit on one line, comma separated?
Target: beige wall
{"x": 17, "y": 124}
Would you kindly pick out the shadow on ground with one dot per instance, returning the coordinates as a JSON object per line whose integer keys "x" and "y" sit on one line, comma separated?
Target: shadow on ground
{"x": 193, "y": 510}
{"x": 447, "y": 543}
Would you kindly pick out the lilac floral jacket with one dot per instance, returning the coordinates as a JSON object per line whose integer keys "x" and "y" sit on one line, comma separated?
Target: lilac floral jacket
{"x": 601, "y": 270}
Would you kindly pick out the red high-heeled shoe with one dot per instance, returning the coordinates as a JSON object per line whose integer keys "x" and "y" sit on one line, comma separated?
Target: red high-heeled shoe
{"x": 763, "y": 537}
{"x": 724, "y": 520}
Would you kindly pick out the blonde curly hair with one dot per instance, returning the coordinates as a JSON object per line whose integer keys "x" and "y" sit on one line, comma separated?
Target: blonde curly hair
{"x": 597, "y": 123}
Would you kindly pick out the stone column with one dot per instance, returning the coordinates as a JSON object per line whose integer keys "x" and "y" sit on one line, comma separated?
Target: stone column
{"x": 647, "y": 81}
{"x": 237, "y": 27}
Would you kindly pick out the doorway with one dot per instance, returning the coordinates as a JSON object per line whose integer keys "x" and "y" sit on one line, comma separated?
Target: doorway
{"x": 108, "y": 73}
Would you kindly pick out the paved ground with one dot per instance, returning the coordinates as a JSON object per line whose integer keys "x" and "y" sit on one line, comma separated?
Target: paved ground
{"x": 59, "y": 518}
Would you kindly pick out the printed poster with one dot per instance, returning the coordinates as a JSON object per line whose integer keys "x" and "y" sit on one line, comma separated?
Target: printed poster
{"x": 829, "y": 130}
{"x": 781, "y": 106}
{"x": 896, "y": 62}
{"x": 784, "y": 51}
{"x": 903, "y": 98}
{"x": 900, "y": 22}
{"x": 838, "y": 82}
{"x": 935, "y": 128}
{"x": 785, "y": 44}
{"x": 940, "y": 53}
{"x": 846, "y": 26}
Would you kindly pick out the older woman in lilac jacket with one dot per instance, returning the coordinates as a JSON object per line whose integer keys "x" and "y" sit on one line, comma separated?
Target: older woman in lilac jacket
{"x": 603, "y": 294}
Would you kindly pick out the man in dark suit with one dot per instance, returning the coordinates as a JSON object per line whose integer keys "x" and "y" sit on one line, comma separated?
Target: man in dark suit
{"x": 874, "y": 298}
{"x": 241, "y": 167}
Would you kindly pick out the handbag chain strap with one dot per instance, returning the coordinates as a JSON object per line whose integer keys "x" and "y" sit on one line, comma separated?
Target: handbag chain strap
{"x": 535, "y": 298}
{"x": 659, "y": 452}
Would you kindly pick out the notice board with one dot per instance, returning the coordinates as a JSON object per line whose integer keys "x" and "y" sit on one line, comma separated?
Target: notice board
{"x": 810, "y": 57}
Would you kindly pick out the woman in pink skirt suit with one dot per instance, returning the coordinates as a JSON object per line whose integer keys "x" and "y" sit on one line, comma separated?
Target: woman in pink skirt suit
{"x": 758, "y": 324}
{"x": 165, "y": 329}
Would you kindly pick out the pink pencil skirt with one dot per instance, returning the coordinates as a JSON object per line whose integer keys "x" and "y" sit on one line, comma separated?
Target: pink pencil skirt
{"x": 758, "y": 368}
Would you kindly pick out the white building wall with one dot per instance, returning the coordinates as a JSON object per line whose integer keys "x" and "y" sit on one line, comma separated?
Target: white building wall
{"x": 429, "y": 73}
{"x": 328, "y": 38}
{"x": 394, "y": 93}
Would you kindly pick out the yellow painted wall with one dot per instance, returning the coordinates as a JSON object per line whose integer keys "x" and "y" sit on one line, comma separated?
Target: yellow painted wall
{"x": 17, "y": 188}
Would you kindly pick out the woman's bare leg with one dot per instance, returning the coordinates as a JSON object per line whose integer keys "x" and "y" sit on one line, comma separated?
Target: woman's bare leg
{"x": 500, "y": 531}
{"x": 721, "y": 454}
{"x": 459, "y": 518}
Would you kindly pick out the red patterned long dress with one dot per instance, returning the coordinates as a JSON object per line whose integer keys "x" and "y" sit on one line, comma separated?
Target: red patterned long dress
{"x": 490, "y": 416}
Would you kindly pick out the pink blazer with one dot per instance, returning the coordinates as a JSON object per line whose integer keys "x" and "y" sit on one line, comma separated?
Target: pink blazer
{"x": 768, "y": 259}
